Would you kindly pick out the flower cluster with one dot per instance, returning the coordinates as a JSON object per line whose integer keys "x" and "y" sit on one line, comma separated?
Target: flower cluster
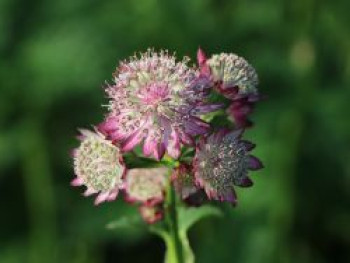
{"x": 158, "y": 109}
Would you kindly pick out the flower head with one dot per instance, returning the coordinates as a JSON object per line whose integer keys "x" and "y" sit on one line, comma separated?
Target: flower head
{"x": 146, "y": 185}
{"x": 222, "y": 160}
{"x": 233, "y": 75}
{"x": 99, "y": 166}
{"x": 157, "y": 100}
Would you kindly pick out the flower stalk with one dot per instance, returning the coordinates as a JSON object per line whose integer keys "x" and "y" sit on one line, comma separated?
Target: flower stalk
{"x": 174, "y": 247}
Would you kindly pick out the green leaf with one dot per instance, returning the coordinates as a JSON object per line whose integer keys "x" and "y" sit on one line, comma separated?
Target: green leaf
{"x": 188, "y": 216}
{"x": 159, "y": 229}
{"x": 134, "y": 161}
{"x": 186, "y": 248}
{"x": 125, "y": 222}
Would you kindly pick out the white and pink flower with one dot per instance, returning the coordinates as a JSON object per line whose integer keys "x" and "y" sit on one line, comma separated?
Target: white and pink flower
{"x": 157, "y": 100}
{"x": 99, "y": 166}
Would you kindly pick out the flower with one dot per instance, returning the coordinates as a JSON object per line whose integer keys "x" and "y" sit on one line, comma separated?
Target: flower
{"x": 146, "y": 185}
{"x": 234, "y": 77}
{"x": 157, "y": 100}
{"x": 222, "y": 160}
{"x": 98, "y": 165}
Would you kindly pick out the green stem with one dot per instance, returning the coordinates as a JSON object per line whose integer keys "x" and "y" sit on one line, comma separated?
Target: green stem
{"x": 174, "y": 248}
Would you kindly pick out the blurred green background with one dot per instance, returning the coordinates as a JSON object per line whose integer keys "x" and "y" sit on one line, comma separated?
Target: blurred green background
{"x": 56, "y": 55}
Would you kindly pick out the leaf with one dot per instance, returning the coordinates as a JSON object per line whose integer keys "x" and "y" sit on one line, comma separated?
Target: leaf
{"x": 125, "y": 222}
{"x": 189, "y": 216}
{"x": 134, "y": 161}
{"x": 159, "y": 229}
{"x": 186, "y": 248}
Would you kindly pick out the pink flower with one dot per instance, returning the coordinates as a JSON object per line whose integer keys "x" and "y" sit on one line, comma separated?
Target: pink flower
{"x": 222, "y": 160}
{"x": 99, "y": 166}
{"x": 157, "y": 101}
{"x": 146, "y": 185}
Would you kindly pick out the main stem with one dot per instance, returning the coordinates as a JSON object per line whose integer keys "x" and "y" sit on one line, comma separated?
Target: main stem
{"x": 174, "y": 248}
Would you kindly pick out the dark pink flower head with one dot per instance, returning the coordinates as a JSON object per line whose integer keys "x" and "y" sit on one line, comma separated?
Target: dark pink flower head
{"x": 157, "y": 100}
{"x": 222, "y": 160}
{"x": 99, "y": 166}
{"x": 146, "y": 185}
{"x": 232, "y": 75}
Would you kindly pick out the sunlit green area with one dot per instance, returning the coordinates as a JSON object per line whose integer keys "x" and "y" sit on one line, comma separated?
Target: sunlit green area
{"x": 56, "y": 55}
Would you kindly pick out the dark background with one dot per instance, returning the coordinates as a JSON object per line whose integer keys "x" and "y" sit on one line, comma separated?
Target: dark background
{"x": 55, "y": 56}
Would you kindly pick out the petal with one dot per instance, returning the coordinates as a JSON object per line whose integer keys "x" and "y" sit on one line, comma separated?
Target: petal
{"x": 195, "y": 126}
{"x": 159, "y": 151}
{"x": 201, "y": 57}
{"x": 202, "y": 62}
{"x": 166, "y": 125}
{"x": 185, "y": 138}
{"x": 244, "y": 182}
{"x": 248, "y": 145}
{"x": 102, "y": 197}
{"x": 77, "y": 181}
{"x": 229, "y": 196}
{"x": 89, "y": 192}
{"x": 149, "y": 145}
{"x": 255, "y": 163}
{"x": 174, "y": 145}
{"x": 202, "y": 109}
{"x": 86, "y": 133}
{"x": 225, "y": 195}
{"x": 132, "y": 141}
{"x": 236, "y": 134}
{"x": 117, "y": 135}
{"x": 254, "y": 98}
{"x": 108, "y": 125}
{"x": 218, "y": 136}
{"x": 113, "y": 195}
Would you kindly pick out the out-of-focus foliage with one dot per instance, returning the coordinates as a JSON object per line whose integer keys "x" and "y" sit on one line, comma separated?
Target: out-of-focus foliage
{"x": 55, "y": 56}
